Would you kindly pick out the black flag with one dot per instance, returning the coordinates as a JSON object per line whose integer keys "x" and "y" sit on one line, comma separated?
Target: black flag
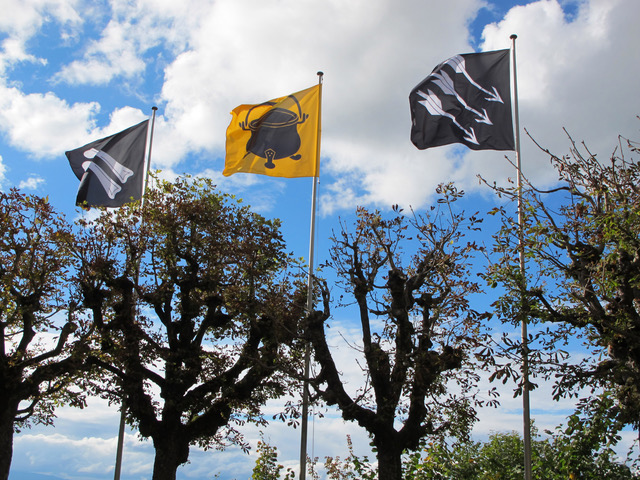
{"x": 467, "y": 100}
{"x": 111, "y": 170}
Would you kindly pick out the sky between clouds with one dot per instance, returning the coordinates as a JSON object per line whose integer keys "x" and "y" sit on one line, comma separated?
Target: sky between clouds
{"x": 72, "y": 71}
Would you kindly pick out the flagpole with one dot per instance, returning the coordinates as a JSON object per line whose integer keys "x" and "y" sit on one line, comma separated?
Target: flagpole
{"x": 146, "y": 175}
{"x": 123, "y": 416}
{"x": 526, "y": 412}
{"x": 307, "y": 351}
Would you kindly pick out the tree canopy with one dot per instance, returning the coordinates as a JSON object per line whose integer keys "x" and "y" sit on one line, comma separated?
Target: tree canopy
{"x": 197, "y": 305}
{"x": 44, "y": 341}
{"x": 193, "y": 311}
{"x": 566, "y": 454}
{"x": 582, "y": 244}
{"x": 408, "y": 276}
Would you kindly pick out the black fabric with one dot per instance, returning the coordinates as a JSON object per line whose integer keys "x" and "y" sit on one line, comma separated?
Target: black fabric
{"x": 113, "y": 179}
{"x": 466, "y": 99}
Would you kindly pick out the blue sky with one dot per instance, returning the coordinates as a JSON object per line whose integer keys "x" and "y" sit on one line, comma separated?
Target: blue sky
{"x": 72, "y": 71}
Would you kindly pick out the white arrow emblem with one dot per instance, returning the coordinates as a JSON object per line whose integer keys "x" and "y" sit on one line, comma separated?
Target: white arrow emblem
{"x": 445, "y": 82}
{"x": 434, "y": 106}
{"x": 458, "y": 64}
{"x": 123, "y": 173}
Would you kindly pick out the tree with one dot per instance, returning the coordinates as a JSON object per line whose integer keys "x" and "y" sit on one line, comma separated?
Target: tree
{"x": 267, "y": 466}
{"x": 197, "y": 312}
{"x": 582, "y": 243}
{"x": 571, "y": 453}
{"x": 419, "y": 333}
{"x": 584, "y": 447}
{"x": 352, "y": 467}
{"x": 43, "y": 341}
{"x": 579, "y": 450}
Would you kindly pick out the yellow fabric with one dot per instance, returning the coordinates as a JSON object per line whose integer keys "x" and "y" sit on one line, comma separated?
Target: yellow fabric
{"x": 288, "y": 134}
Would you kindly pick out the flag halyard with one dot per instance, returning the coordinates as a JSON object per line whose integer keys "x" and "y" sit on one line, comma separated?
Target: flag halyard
{"x": 466, "y": 99}
{"x": 278, "y": 138}
{"x": 111, "y": 170}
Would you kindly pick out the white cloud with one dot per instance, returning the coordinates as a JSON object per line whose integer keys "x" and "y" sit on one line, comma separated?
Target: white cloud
{"x": 46, "y": 126}
{"x": 116, "y": 54}
{"x": 31, "y": 183}
{"x": 573, "y": 72}
{"x": 247, "y": 52}
{"x": 578, "y": 74}
{"x": 3, "y": 171}
{"x": 86, "y": 452}
{"x": 567, "y": 70}
{"x": 128, "y": 35}
{"x": 82, "y": 457}
{"x": 42, "y": 124}
{"x": 21, "y": 19}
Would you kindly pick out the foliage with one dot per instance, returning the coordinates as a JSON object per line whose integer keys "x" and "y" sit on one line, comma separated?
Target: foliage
{"x": 439, "y": 461}
{"x": 563, "y": 455}
{"x": 197, "y": 311}
{"x": 582, "y": 244}
{"x": 267, "y": 466}
{"x": 352, "y": 467}
{"x": 559, "y": 457}
{"x": 408, "y": 276}
{"x": 585, "y": 446}
{"x": 43, "y": 340}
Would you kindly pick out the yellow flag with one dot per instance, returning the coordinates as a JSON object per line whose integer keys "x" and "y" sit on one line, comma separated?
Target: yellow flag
{"x": 279, "y": 138}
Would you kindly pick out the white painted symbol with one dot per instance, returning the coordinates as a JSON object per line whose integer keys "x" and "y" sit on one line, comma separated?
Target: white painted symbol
{"x": 445, "y": 82}
{"x": 123, "y": 173}
{"x": 434, "y": 106}
{"x": 458, "y": 64}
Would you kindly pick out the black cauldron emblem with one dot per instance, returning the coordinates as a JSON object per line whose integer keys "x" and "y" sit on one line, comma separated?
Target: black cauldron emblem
{"x": 275, "y": 134}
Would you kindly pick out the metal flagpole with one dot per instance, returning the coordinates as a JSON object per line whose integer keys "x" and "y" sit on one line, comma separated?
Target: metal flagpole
{"x": 526, "y": 413}
{"x": 116, "y": 473}
{"x": 120, "y": 447}
{"x": 146, "y": 175}
{"x": 307, "y": 352}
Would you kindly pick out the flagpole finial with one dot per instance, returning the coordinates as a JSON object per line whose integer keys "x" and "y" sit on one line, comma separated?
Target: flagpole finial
{"x": 320, "y": 75}
{"x": 513, "y": 36}
{"x": 154, "y": 108}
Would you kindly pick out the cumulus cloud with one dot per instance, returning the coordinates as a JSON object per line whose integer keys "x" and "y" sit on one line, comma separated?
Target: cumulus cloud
{"x": 246, "y": 51}
{"x": 130, "y": 31}
{"x": 42, "y": 123}
{"x": 83, "y": 457}
{"x": 21, "y": 19}
{"x": 31, "y": 183}
{"x": 573, "y": 72}
{"x": 45, "y": 125}
{"x": 3, "y": 171}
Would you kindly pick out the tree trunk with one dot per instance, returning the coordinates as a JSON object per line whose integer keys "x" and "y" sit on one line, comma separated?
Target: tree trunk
{"x": 7, "y": 414}
{"x": 171, "y": 452}
{"x": 164, "y": 466}
{"x": 389, "y": 458}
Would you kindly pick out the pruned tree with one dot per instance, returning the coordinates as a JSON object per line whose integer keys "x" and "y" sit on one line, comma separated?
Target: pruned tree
{"x": 410, "y": 283}
{"x": 582, "y": 244}
{"x": 43, "y": 342}
{"x": 198, "y": 314}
